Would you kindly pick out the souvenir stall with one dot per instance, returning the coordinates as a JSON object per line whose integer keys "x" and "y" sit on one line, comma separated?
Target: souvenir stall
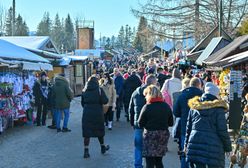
{"x": 17, "y": 77}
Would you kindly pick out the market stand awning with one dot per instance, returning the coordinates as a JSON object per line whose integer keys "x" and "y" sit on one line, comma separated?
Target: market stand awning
{"x": 9, "y": 51}
{"x": 239, "y": 45}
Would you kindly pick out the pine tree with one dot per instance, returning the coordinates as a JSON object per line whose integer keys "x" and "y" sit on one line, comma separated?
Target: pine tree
{"x": 57, "y": 32}
{"x": 21, "y": 28}
{"x": 8, "y": 22}
{"x": 113, "y": 42}
{"x": 121, "y": 38}
{"x": 44, "y": 27}
{"x": 69, "y": 42}
{"x": 127, "y": 38}
{"x": 140, "y": 38}
{"x": 243, "y": 29}
{"x": 108, "y": 44}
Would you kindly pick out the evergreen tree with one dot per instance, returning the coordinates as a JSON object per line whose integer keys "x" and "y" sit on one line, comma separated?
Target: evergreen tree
{"x": 57, "y": 32}
{"x": 140, "y": 38}
{"x": 127, "y": 38}
{"x": 121, "y": 38}
{"x": 243, "y": 29}
{"x": 108, "y": 44}
{"x": 8, "y": 22}
{"x": 21, "y": 28}
{"x": 69, "y": 42}
{"x": 44, "y": 27}
{"x": 113, "y": 41}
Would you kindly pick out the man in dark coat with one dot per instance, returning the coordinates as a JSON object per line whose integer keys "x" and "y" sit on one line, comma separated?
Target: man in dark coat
{"x": 181, "y": 110}
{"x": 130, "y": 84}
{"x": 40, "y": 92}
{"x": 63, "y": 95}
{"x": 136, "y": 103}
{"x": 207, "y": 138}
{"x": 92, "y": 100}
{"x": 161, "y": 76}
{"x": 119, "y": 82}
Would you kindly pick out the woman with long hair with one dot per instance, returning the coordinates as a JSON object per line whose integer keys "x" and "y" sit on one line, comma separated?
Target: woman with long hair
{"x": 93, "y": 99}
{"x": 155, "y": 118}
{"x": 107, "y": 84}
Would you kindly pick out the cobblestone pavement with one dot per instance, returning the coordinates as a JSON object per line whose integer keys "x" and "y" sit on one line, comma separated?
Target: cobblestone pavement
{"x": 31, "y": 147}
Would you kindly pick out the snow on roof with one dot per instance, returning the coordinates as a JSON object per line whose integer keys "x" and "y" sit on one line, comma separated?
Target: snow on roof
{"x": 31, "y": 42}
{"x": 66, "y": 60}
{"x": 11, "y": 51}
{"x": 89, "y": 52}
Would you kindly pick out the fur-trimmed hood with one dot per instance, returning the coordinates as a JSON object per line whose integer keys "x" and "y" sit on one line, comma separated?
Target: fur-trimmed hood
{"x": 197, "y": 104}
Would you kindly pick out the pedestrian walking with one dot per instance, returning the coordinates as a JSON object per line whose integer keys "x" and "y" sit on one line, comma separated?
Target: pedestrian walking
{"x": 136, "y": 104}
{"x": 181, "y": 110}
{"x": 207, "y": 138}
{"x": 161, "y": 76}
{"x": 40, "y": 92}
{"x": 130, "y": 85}
{"x": 171, "y": 86}
{"x": 93, "y": 99}
{"x": 51, "y": 106}
{"x": 63, "y": 95}
{"x": 119, "y": 82}
{"x": 155, "y": 118}
{"x": 108, "y": 86}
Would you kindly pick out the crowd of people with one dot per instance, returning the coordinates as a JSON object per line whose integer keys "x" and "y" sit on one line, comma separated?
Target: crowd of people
{"x": 153, "y": 97}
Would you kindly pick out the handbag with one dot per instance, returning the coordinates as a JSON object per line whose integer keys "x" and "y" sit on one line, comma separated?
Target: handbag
{"x": 166, "y": 96}
{"x": 105, "y": 107}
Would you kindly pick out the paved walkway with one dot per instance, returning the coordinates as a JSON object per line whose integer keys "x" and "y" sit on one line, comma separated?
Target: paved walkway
{"x": 30, "y": 147}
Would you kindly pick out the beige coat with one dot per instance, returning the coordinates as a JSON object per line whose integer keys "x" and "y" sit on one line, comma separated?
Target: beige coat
{"x": 110, "y": 92}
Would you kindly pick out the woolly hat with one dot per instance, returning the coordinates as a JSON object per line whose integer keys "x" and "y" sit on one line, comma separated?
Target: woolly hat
{"x": 212, "y": 89}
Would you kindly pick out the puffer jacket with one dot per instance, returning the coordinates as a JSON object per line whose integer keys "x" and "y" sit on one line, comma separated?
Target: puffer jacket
{"x": 110, "y": 92}
{"x": 207, "y": 138}
{"x": 136, "y": 104}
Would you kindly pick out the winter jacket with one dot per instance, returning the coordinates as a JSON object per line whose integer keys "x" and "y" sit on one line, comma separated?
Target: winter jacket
{"x": 172, "y": 85}
{"x": 40, "y": 91}
{"x": 62, "y": 93}
{"x": 110, "y": 92}
{"x": 155, "y": 116}
{"x": 130, "y": 84}
{"x": 92, "y": 100}
{"x": 207, "y": 138}
{"x": 161, "y": 79}
{"x": 136, "y": 104}
{"x": 119, "y": 81}
{"x": 181, "y": 108}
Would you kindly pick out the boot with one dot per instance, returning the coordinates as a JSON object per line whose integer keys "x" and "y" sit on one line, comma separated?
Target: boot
{"x": 104, "y": 148}
{"x": 110, "y": 125}
{"x": 86, "y": 153}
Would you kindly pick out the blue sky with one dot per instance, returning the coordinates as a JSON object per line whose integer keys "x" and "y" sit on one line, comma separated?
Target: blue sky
{"x": 109, "y": 15}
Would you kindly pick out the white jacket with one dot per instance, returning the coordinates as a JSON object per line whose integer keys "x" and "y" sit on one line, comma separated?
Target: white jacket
{"x": 172, "y": 85}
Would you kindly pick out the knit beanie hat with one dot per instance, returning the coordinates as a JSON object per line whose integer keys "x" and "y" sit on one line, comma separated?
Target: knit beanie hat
{"x": 212, "y": 89}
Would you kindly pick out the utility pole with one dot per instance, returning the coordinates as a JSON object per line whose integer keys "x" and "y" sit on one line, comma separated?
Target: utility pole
{"x": 197, "y": 19}
{"x": 220, "y": 18}
{"x": 13, "y": 19}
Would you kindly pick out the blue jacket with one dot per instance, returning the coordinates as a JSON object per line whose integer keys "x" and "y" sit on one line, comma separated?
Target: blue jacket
{"x": 181, "y": 108}
{"x": 207, "y": 138}
{"x": 136, "y": 104}
{"x": 119, "y": 82}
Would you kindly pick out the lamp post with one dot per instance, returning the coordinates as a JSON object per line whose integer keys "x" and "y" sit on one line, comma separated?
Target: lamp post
{"x": 220, "y": 18}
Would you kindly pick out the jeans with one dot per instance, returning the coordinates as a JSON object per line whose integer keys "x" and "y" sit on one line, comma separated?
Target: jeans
{"x": 118, "y": 108}
{"x": 138, "y": 141}
{"x": 58, "y": 117}
{"x": 200, "y": 165}
{"x": 184, "y": 164}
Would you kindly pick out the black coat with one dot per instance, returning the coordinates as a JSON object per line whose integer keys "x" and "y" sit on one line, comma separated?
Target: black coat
{"x": 130, "y": 85}
{"x": 92, "y": 102}
{"x": 39, "y": 97}
{"x": 156, "y": 116}
{"x": 161, "y": 79}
